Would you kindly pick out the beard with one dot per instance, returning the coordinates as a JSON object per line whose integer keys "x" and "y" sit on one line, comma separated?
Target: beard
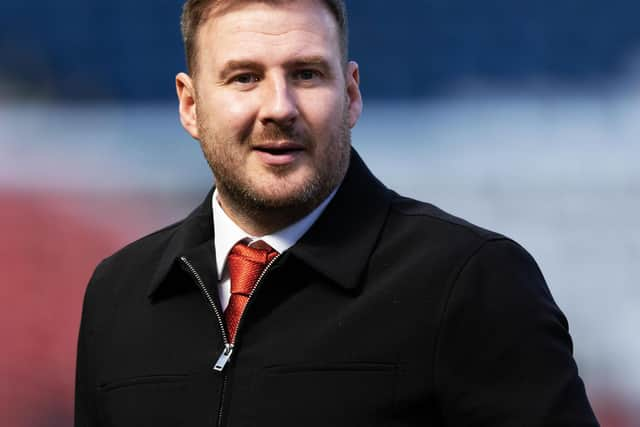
{"x": 285, "y": 201}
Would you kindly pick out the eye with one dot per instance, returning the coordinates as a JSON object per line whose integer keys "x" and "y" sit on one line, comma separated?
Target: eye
{"x": 245, "y": 78}
{"x": 306, "y": 74}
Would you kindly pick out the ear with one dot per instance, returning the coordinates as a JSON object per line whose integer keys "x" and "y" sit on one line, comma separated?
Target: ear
{"x": 353, "y": 92}
{"x": 187, "y": 100}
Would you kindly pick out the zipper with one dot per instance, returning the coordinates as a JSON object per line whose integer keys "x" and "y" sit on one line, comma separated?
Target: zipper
{"x": 225, "y": 379}
{"x": 224, "y": 357}
{"x": 228, "y": 347}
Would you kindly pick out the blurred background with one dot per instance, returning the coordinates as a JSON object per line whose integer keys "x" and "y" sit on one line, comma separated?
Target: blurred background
{"x": 520, "y": 116}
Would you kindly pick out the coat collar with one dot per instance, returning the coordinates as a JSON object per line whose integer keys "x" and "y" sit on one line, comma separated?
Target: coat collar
{"x": 341, "y": 241}
{"x": 348, "y": 229}
{"x": 195, "y": 231}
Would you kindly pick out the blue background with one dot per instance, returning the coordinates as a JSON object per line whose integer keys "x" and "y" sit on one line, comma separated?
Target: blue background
{"x": 124, "y": 50}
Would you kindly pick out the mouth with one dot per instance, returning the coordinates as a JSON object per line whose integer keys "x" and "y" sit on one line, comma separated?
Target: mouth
{"x": 279, "y": 153}
{"x": 279, "y": 148}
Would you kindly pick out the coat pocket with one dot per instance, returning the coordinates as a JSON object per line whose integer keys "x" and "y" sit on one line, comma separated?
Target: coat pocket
{"x": 336, "y": 394}
{"x": 157, "y": 400}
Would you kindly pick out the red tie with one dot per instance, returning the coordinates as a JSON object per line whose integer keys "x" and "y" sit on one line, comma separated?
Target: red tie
{"x": 245, "y": 267}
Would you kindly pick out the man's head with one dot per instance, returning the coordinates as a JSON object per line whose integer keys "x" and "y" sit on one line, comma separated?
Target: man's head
{"x": 272, "y": 103}
{"x": 196, "y": 12}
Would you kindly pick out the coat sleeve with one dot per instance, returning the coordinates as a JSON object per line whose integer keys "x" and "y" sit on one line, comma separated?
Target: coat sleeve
{"x": 85, "y": 388}
{"x": 504, "y": 355}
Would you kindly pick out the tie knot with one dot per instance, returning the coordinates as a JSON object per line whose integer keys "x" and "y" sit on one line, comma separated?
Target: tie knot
{"x": 259, "y": 255}
{"x": 246, "y": 264}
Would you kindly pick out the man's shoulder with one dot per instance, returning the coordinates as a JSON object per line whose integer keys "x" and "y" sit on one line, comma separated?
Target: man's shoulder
{"x": 426, "y": 232}
{"x": 146, "y": 252}
{"x": 135, "y": 263}
{"x": 145, "y": 248}
{"x": 429, "y": 236}
{"x": 423, "y": 217}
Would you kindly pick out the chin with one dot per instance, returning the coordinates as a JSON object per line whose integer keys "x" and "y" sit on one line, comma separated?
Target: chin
{"x": 284, "y": 197}
{"x": 287, "y": 193}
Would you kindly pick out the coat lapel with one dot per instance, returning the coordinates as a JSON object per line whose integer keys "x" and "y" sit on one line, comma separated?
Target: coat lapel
{"x": 194, "y": 233}
{"x": 341, "y": 241}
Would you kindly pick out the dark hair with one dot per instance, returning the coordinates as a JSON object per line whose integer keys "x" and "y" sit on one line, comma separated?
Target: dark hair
{"x": 195, "y": 12}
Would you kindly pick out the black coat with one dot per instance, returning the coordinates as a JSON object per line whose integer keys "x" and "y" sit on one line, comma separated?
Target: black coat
{"x": 388, "y": 312}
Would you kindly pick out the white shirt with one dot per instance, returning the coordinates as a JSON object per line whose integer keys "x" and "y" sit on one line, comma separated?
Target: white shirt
{"x": 227, "y": 233}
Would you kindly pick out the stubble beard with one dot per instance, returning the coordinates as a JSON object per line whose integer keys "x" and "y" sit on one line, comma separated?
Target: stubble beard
{"x": 269, "y": 210}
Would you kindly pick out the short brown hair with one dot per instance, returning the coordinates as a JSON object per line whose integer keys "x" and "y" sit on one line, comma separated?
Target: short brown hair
{"x": 195, "y": 12}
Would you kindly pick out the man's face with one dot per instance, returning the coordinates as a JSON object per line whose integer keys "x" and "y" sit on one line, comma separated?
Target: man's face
{"x": 272, "y": 105}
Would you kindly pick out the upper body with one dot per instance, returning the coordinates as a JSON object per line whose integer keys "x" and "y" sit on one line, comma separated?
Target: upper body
{"x": 386, "y": 311}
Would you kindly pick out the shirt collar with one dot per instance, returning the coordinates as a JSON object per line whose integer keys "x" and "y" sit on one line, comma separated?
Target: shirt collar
{"x": 227, "y": 233}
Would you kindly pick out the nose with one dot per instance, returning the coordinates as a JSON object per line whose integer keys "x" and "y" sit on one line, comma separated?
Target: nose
{"x": 279, "y": 102}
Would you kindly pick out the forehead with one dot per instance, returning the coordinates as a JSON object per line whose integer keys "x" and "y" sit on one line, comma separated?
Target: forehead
{"x": 269, "y": 29}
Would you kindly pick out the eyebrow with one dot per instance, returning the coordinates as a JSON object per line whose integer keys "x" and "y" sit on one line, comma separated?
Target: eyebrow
{"x": 233, "y": 65}
{"x": 305, "y": 61}
{"x": 309, "y": 61}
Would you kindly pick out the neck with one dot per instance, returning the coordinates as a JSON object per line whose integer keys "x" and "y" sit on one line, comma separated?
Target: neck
{"x": 259, "y": 222}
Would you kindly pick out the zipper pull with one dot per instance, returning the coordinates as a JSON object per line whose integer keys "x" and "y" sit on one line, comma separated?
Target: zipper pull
{"x": 224, "y": 358}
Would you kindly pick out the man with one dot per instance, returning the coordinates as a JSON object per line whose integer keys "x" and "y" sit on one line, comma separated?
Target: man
{"x": 302, "y": 292}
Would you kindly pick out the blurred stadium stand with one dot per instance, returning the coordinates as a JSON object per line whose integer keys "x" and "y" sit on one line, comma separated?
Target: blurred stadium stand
{"x": 123, "y": 50}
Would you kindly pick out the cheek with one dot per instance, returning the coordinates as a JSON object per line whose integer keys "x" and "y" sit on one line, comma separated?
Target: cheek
{"x": 229, "y": 113}
{"x": 323, "y": 113}
{"x": 238, "y": 106}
